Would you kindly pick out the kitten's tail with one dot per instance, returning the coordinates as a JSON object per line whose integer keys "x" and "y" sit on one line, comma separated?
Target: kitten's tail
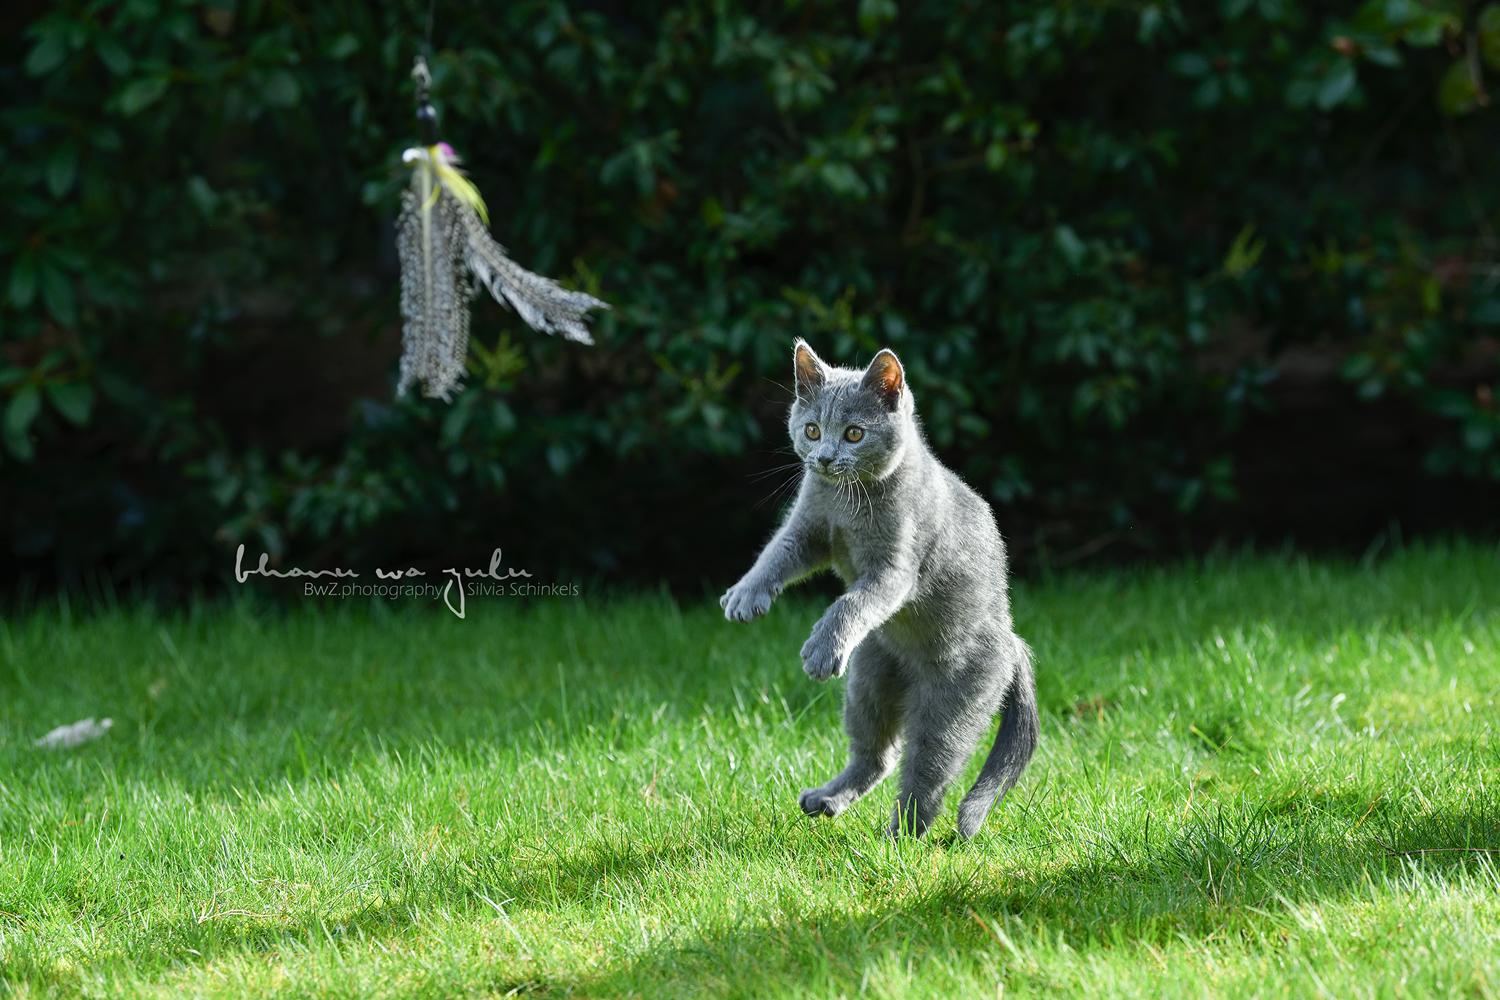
{"x": 1014, "y": 745}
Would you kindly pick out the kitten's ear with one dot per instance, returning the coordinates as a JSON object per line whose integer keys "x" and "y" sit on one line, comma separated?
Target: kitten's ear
{"x": 886, "y": 378}
{"x": 811, "y": 371}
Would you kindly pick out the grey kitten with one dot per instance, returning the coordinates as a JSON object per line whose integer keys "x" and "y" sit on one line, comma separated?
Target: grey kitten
{"x": 924, "y": 626}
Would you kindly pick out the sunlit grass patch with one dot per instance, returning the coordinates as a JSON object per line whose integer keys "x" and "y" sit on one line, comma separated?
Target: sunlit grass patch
{"x": 1258, "y": 777}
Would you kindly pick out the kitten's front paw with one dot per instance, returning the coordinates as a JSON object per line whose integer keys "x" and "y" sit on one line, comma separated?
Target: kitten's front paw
{"x": 821, "y": 660}
{"x": 744, "y": 602}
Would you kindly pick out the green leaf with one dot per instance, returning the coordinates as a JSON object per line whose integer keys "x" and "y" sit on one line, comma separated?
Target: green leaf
{"x": 74, "y": 400}
{"x": 139, "y": 10}
{"x": 62, "y": 169}
{"x": 1073, "y": 248}
{"x": 1487, "y": 313}
{"x": 502, "y": 416}
{"x": 48, "y": 54}
{"x": 23, "y": 410}
{"x": 23, "y": 281}
{"x": 1429, "y": 30}
{"x": 1420, "y": 23}
{"x": 1488, "y": 27}
{"x": 1190, "y": 64}
{"x": 113, "y": 55}
{"x": 1243, "y": 253}
{"x": 375, "y": 192}
{"x": 1375, "y": 49}
{"x": 203, "y": 195}
{"x": 281, "y": 88}
{"x": 344, "y": 46}
{"x": 21, "y": 447}
{"x": 19, "y": 414}
{"x": 1338, "y": 85}
{"x": 1301, "y": 92}
{"x": 1189, "y": 495}
{"x": 66, "y": 258}
{"x": 457, "y": 418}
{"x": 1450, "y": 403}
{"x": 1151, "y": 23}
{"x": 874, "y": 13}
{"x": 138, "y": 95}
{"x": 57, "y": 293}
{"x": 30, "y": 206}
{"x": 1432, "y": 296}
{"x": 1456, "y": 94}
{"x": 1274, "y": 11}
{"x": 712, "y": 212}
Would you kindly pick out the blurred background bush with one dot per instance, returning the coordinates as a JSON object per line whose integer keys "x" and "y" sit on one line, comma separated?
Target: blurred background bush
{"x": 1160, "y": 272}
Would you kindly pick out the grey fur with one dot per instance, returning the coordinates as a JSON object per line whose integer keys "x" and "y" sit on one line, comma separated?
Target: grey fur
{"x": 924, "y": 626}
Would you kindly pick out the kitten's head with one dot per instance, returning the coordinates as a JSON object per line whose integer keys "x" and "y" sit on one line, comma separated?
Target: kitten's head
{"x": 846, "y": 422}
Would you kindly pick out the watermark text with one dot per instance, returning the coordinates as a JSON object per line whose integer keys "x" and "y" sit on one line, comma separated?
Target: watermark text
{"x": 495, "y": 580}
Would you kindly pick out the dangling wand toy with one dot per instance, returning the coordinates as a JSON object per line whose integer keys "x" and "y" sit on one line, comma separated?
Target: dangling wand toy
{"x": 446, "y": 252}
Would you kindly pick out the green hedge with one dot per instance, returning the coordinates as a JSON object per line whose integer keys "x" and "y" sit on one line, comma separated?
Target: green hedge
{"x": 1088, "y": 228}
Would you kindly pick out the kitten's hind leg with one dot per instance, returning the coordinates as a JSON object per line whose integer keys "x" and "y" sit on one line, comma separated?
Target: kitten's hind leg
{"x": 942, "y": 728}
{"x": 874, "y": 700}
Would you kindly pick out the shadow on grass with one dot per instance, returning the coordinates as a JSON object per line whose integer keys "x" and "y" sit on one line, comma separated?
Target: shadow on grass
{"x": 1443, "y": 838}
{"x": 1224, "y": 876}
{"x": 1229, "y": 872}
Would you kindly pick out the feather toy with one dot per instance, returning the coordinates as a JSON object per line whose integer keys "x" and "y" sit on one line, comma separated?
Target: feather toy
{"x": 447, "y": 253}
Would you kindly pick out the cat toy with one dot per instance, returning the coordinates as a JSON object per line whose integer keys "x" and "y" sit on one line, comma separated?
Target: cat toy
{"x": 446, "y": 253}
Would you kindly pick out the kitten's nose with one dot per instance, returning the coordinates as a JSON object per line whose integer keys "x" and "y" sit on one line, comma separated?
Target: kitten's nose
{"x": 825, "y": 460}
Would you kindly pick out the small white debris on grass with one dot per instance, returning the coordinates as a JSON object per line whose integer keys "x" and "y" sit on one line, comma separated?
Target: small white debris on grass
{"x": 76, "y": 735}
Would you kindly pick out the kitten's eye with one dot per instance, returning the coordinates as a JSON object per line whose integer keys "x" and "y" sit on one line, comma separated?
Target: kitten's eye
{"x": 813, "y": 433}
{"x": 854, "y": 434}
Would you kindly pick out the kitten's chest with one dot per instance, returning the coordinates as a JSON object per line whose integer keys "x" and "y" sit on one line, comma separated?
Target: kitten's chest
{"x": 845, "y": 552}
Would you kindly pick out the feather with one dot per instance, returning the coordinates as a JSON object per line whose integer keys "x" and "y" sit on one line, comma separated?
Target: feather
{"x": 444, "y": 245}
{"x": 541, "y": 302}
{"x": 435, "y": 294}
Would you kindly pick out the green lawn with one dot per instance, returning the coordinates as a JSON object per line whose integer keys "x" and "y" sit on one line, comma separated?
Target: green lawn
{"x": 599, "y": 799}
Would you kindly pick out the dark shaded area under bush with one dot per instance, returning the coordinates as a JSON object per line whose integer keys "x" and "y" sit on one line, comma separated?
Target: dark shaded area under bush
{"x": 1317, "y": 468}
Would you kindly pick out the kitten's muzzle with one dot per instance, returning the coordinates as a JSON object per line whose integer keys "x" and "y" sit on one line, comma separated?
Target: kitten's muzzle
{"x": 824, "y": 466}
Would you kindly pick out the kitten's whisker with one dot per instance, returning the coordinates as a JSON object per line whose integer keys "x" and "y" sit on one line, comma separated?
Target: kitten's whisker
{"x": 781, "y": 490}
{"x": 850, "y": 483}
{"x": 767, "y": 473}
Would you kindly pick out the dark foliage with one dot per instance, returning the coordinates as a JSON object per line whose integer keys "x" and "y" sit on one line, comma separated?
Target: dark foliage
{"x": 1095, "y": 231}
